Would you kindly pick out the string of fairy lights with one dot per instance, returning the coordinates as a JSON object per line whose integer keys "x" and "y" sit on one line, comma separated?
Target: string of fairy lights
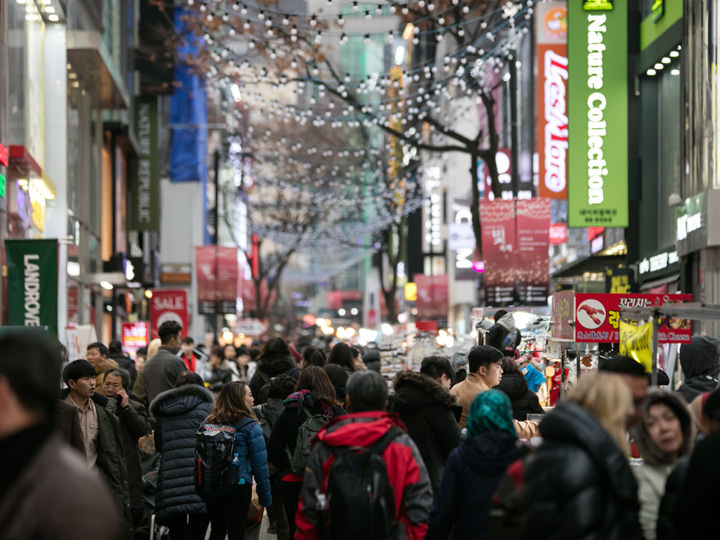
{"x": 288, "y": 83}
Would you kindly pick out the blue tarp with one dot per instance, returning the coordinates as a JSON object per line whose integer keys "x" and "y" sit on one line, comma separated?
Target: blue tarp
{"x": 188, "y": 112}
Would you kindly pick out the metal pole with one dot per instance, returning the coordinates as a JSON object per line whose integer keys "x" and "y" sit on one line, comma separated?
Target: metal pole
{"x": 563, "y": 358}
{"x": 654, "y": 372}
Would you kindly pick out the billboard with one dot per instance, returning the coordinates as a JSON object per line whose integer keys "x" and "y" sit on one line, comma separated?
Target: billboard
{"x": 498, "y": 243}
{"x": 598, "y": 113}
{"x": 552, "y": 69}
{"x": 532, "y": 232}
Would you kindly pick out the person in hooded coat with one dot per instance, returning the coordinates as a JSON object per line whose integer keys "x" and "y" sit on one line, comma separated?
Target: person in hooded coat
{"x": 474, "y": 470}
{"x": 179, "y": 414}
{"x": 663, "y": 437}
{"x": 504, "y": 326}
{"x": 700, "y": 365}
{"x": 426, "y": 409}
{"x": 274, "y": 360}
{"x": 578, "y": 483}
{"x": 513, "y": 384}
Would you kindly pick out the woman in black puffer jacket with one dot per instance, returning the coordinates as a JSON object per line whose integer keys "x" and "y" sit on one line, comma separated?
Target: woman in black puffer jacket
{"x": 513, "y": 384}
{"x": 179, "y": 413}
{"x": 578, "y": 485}
{"x": 274, "y": 360}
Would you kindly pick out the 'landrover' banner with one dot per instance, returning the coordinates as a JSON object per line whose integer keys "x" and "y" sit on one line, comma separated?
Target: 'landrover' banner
{"x": 33, "y": 283}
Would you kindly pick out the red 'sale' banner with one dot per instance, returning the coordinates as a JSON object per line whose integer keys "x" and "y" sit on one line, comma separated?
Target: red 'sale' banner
{"x": 533, "y": 237}
{"x": 552, "y": 68}
{"x": 498, "y": 245}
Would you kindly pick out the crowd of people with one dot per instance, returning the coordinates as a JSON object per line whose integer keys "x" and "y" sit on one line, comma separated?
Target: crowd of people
{"x": 319, "y": 439}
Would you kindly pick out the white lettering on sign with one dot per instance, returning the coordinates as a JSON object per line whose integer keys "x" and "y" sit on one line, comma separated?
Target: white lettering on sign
{"x": 635, "y": 303}
{"x": 556, "y": 121}
{"x": 170, "y": 304}
{"x": 658, "y": 262}
{"x": 32, "y": 290}
{"x": 687, "y": 224}
{"x": 596, "y": 104}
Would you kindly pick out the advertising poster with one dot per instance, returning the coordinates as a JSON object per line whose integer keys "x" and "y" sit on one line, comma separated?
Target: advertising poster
{"x": 532, "y": 259}
{"x": 598, "y": 113}
{"x": 432, "y": 296}
{"x": 32, "y": 267}
{"x": 498, "y": 243}
{"x": 227, "y": 278}
{"x": 636, "y": 342}
{"x": 135, "y": 336}
{"x": 168, "y": 305}
{"x": 552, "y": 70}
{"x": 206, "y": 275}
{"x": 597, "y": 316}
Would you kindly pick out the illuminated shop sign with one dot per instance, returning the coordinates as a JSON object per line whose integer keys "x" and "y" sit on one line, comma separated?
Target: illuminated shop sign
{"x": 658, "y": 262}
{"x": 597, "y": 88}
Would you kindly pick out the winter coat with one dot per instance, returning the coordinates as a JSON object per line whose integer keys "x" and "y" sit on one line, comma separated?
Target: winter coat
{"x": 652, "y": 471}
{"x": 284, "y": 434}
{"x": 134, "y": 423}
{"x": 68, "y": 424}
{"x": 406, "y": 471}
{"x": 252, "y": 458}
{"x": 426, "y": 409}
{"x": 57, "y": 496}
{"x": 467, "y": 390}
{"x": 159, "y": 375}
{"x": 695, "y": 514}
{"x": 128, "y": 364}
{"x": 472, "y": 475}
{"x": 179, "y": 412}
{"x": 523, "y": 400}
{"x": 578, "y": 484}
{"x": 500, "y": 330}
{"x": 673, "y": 485}
{"x": 267, "y": 415}
{"x": 218, "y": 378}
{"x": 700, "y": 366}
{"x": 267, "y": 368}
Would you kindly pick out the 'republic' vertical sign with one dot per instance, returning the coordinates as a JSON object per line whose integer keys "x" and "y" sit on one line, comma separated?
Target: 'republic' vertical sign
{"x": 33, "y": 283}
{"x": 552, "y": 80}
{"x": 597, "y": 113}
{"x": 145, "y": 177}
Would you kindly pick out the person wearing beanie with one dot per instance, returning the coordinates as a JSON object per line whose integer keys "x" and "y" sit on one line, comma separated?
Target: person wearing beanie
{"x": 474, "y": 470}
{"x": 663, "y": 437}
{"x": 700, "y": 363}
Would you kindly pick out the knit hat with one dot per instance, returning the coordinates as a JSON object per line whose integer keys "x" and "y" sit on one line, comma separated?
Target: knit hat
{"x": 490, "y": 411}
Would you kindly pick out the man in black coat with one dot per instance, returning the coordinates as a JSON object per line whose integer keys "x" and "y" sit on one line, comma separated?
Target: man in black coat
{"x": 429, "y": 412}
{"x": 700, "y": 365}
{"x": 163, "y": 369}
{"x": 116, "y": 353}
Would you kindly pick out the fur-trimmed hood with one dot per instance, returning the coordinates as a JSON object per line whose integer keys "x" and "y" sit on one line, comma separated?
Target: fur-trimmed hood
{"x": 180, "y": 400}
{"x": 415, "y": 390}
{"x": 649, "y": 451}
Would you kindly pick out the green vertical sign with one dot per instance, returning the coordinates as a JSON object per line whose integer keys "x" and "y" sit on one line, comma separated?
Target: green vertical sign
{"x": 145, "y": 172}
{"x": 597, "y": 113}
{"x": 33, "y": 283}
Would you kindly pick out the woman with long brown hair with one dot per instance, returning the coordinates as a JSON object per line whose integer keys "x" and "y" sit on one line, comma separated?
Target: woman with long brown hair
{"x": 311, "y": 405}
{"x": 229, "y": 514}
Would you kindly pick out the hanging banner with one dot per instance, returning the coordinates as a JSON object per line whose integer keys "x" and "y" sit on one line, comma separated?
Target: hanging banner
{"x": 135, "y": 336}
{"x": 552, "y": 79}
{"x": 532, "y": 245}
{"x": 498, "y": 243}
{"x": 227, "y": 278}
{"x": 432, "y": 296}
{"x": 598, "y": 113}
{"x": 206, "y": 275}
{"x": 168, "y": 305}
{"x": 32, "y": 267}
{"x": 597, "y": 316}
{"x": 636, "y": 342}
{"x": 145, "y": 170}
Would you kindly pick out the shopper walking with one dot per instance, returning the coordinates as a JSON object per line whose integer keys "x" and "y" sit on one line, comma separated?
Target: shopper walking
{"x": 515, "y": 386}
{"x": 700, "y": 365}
{"x": 228, "y": 511}
{"x": 274, "y": 360}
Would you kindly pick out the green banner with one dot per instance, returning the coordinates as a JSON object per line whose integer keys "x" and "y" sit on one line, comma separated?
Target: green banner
{"x": 145, "y": 172}
{"x": 33, "y": 283}
{"x": 597, "y": 113}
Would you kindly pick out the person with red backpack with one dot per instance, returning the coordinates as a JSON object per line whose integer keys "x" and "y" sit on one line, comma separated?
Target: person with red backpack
{"x": 365, "y": 478}
{"x": 230, "y": 451}
{"x": 305, "y": 412}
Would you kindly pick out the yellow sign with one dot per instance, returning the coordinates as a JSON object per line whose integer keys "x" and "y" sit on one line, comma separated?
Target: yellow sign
{"x": 411, "y": 292}
{"x": 636, "y": 342}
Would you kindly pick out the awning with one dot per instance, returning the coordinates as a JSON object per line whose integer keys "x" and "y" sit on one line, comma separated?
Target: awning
{"x": 593, "y": 263}
{"x": 658, "y": 282}
{"x": 23, "y": 162}
{"x": 89, "y": 57}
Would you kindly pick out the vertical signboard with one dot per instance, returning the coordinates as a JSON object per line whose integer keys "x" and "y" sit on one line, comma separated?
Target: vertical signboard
{"x": 498, "y": 242}
{"x": 169, "y": 305}
{"x": 145, "y": 170}
{"x": 598, "y": 113}
{"x": 205, "y": 272}
{"x": 32, "y": 267}
{"x": 135, "y": 336}
{"x": 432, "y": 296}
{"x": 552, "y": 69}
{"x": 533, "y": 241}
{"x": 227, "y": 277}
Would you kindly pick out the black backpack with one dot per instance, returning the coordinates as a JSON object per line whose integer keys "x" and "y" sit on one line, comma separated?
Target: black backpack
{"x": 216, "y": 461}
{"x": 360, "y": 500}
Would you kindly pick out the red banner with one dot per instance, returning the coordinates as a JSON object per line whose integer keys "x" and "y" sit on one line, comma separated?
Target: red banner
{"x": 168, "y": 305}
{"x": 135, "y": 336}
{"x": 558, "y": 234}
{"x": 532, "y": 239}
{"x": 597, "y": 316}
{"x": 227, "y": 278}
{"x": 552, "y": 130}
{"x": 432, "y": 296}
{"x": 498, "y": 245}
{"x": 205, "y": 271}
